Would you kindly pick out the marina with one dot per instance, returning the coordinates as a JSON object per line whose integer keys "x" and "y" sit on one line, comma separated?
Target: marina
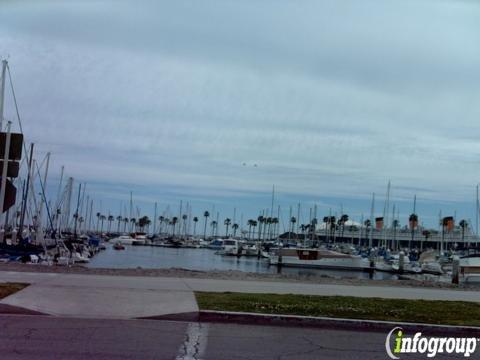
{"x": 147, "y": 257}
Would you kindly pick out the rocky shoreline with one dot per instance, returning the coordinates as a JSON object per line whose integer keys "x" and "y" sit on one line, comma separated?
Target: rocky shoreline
{"x": 233, "y": 275}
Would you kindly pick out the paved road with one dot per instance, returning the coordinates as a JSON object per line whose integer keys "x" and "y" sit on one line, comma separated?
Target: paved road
{"x": 131, "y": 297}
{"x": 43, "y": 337}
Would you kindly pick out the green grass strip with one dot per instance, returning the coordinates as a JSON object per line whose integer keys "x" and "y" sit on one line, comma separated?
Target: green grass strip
{"x": 417, "y": 311}
{"x": 7, "y": 289}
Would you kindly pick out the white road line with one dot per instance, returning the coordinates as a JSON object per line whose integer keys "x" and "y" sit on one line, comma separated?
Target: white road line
{"x": 195, "y": 343}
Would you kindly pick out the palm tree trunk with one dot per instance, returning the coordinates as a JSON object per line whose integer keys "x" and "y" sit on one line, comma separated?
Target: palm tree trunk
{"x": 205, "y": 229}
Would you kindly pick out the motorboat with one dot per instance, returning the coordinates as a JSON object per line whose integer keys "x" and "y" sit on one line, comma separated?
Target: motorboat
{"x": 139, "y": 239}
{"x": 249, "y": 250}
{"x": 429, "y": 263}
{"x": 318, "y": 258}
{"x": 80, "y": 257}
{"x": 231, "y": 247}
{"x": 118, "y": 246}
{"x": 215, "y": 244}
{"x": 470, "y": 267}
{"x": 124, "y": 240}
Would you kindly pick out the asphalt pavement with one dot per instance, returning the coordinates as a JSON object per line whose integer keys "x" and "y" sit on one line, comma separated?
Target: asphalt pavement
{"x": 47, "y": 337}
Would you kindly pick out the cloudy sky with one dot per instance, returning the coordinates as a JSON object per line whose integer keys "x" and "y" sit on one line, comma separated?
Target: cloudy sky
{"x": 330, "y": 99}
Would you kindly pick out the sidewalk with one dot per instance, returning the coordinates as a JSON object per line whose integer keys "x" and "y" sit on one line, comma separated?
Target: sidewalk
{"x": 124, "y": 297}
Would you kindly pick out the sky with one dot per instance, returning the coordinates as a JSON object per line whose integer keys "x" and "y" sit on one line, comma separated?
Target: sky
{"x": 214, "y": 102}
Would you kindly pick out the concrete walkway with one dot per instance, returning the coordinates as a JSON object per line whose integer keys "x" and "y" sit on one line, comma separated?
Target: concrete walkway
{"x": 120, "y": 297}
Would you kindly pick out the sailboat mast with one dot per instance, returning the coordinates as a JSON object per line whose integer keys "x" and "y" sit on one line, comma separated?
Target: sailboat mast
{"x": 385, "y": 215}
{"x": 476, "y": 213}
{"x": 2, "y": 92}
{"x": 76, "y": 211}
{"x": 155, "y": 219}
{"x": 4, "y": 175}
{"x": 298, "y": 218}
{"x": 414, "y": 223}
{"x": 372, "y": 220}
{"x": 24, "y": 207}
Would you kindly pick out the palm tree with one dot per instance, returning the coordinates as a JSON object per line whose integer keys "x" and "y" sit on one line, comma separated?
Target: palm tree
{"x": 227, "y": 223}
{"x": 206, "y": 214}
{"x": 195, "y": 220}
{"x": 110, "y": 219}
{"x": 312, "y": 227}
{"x": 275, "y": 226}
{"x": 413, "y": 221}
{"x": 343, "y": 219}
{"x": 250, "y": 224}
{"x": 98, "y": 220}
{"x": 125, "y": 222}
{"x": 303, "y": 227}
{"x": 184, "y": 218}
{"x": 143, "y": 221}
{"x": 161, "y": 219}
{"x": 260, "y": 220}
{"x": 119, "y": 219}
{"x": 102, "y": 218}
{"x": 293, "y": 220}
{"x": 213, "y": 224}
{"x": 395, "y": 224}
{"x": 254, "y": 224}
{"x": 234, "y": 227}
{"x": 368, "y": 225}
{"x": 173, "y": 223}
{"x": 268, "y": 221}
{"x": 463, "y": 224}
{"x": 133, "y": 221}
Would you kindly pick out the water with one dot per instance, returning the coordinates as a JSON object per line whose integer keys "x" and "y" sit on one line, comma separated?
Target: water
{"x": 148, "y": 257}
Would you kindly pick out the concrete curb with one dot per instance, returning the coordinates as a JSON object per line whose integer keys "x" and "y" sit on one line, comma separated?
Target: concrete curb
{"x": 317, "y": 322}
{"x": 332, "y": 323}
{"x": 17, "y": 310}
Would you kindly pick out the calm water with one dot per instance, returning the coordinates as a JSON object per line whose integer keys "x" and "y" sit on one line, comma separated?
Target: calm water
{"x": 149, "y": 257}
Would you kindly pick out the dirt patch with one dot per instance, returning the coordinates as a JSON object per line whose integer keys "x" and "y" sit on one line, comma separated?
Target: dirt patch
{"x": 7, "y": 289}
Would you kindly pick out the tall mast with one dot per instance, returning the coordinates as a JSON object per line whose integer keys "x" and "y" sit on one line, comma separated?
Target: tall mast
{"x": 4, "y": 175}
{"x": 155, "y": 219}
{"x": 68, "y": 204}
{"x": 90, "y": 215}
{"x": 131, "y": 205}
{"x": 298, "y": 218}
{"x": 414, "y": 223}
{"x": 180, "y": 218}
{"x": 24, "y": 209}
{"x": 2, "y": 92}
{"x": 57, "y": 205}
{"x": 372, "y": 220}
{"x": 87, "y": 205}
{"x": 44, "y": 186}
{"x": 476, "y": 213}
{"x": 393, "y": 229}
{"x": 76, "y": 211}
{"x": 273, "y": 199}
{"x": 385, "y": 214}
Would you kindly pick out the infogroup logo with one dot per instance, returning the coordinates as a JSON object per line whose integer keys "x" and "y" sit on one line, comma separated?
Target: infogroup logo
{"x": 430, "y": 346}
